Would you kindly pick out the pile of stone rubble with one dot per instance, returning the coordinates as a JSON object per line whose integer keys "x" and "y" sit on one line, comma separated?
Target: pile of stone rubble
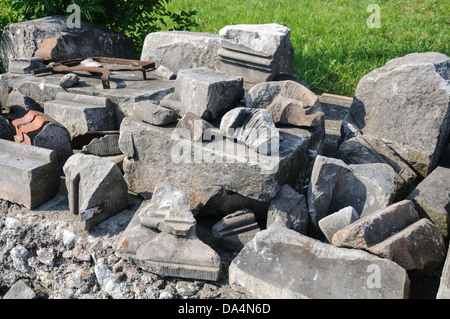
{"x": 218, "y": 174}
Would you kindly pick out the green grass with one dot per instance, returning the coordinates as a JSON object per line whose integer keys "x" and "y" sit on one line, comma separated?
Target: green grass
{"x": 334, "y": 47}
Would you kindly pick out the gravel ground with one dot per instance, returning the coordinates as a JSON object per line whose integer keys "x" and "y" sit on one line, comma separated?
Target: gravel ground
{"x": 44, "y": 249}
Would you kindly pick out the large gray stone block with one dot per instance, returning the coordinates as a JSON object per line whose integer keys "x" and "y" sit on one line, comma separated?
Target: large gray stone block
{"x": 178, "y": 50}
{"x": 21, "y": 40}
{"x": 257, "y": 52}
{"x": 29, "y": 175}
{"x": 81, "y": 114}
{"x": 96, "y": 189}
{"x": 281, "y": 263}
{"x": 216, "y": 169}
{"x": 407, "y": 104}
{"x": 205, "y": 93}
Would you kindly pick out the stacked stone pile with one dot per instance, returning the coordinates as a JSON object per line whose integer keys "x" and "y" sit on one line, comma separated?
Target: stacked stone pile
{"x": 214, "y": 176}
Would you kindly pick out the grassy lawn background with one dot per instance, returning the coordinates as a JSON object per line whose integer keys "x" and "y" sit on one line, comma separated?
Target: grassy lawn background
{"x": 333, "y": 45}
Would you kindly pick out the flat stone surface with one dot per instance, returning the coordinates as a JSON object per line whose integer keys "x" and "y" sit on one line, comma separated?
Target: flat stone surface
{"x": 216, "y": 168}
{"x": 333, "y": 223}
{"x": 281, "y": 263}
{"x": 20, "y": 290}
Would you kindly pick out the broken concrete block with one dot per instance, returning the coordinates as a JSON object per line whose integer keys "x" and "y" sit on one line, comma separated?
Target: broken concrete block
{"x": 107, "y": 145}
{"x": 169, "y": 211}
{"x": 235, "y": 230}
{"x": 81, "y": 114}
{"x": 18, "y": 105}
{"x": 432, "y": 198}
{"x": 166, "y": 254}
{"x": 25, "y": 66}
{"x": 369, "y": 149}
{"x": 22, "y": 40}
{"x": 29, "y": 175}
{"x": 288, "y": 102}
{"x": 398, "y": 234}
{"x": 252, "y": 127}
{"x": 205, "y": 93}
{"x": 282, "y": 263}
{"x": 335, "y": 185}
{"x": 156, "y": 153}
{"x": 165, "y": 73}
{"x": 96, "y": 189}
{"x": 331, "y": 224}
{"x": 418, "y": 246}
{"x": 257, "y": 52}
{"x": 289, "y": 209}
{"x": 179, "y": 50}
{"x": 38, "y": 129}
{"x": 192, "y": 127}
{"x": 415, "y": 85}
{"x": 152, "y": 113}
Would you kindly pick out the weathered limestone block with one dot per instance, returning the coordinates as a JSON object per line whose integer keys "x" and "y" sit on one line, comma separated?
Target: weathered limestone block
{"x": 152, "y": 113}
{"x": 25, "y": 66}
{"x": 29, "y": 175}
{"x": 165, "y": 73}
{"x": 169, "y": 211}
{"x": 288, "y": 102}
{"x": 164, "y": 252}
{"x": 215, "y": 169}
{"x": 96, "y": 188}
{"x": 364, "y": 149}
{"x": 289, "y": 209}
{"x": 333, "y": 223}
{"x": 335, "y": 185}
{"x": 406, "y": 103}
{"x": 444, "y": 286}
{"x": 69, "y": 80}
{"x": 20, "y": 290}
{"x": 257, "y": 52}
{"x": 21, "y": 40}
{"x": 253, "y": 127}
{"x": 282, "y": 263}
{"x": 81, "y": 114}
{"x": 235, "y": 230}
{"x": 398, "y": 234}
{"x": 205, "y": 93}
{"x": 18, "y": 105}
{"x": 178, "y": 50}
{"x": 432, "y": 198}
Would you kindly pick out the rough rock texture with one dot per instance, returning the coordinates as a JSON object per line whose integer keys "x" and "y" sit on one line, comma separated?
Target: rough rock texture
{"x": 235, "y": 230}
{"x": 416, "y": 85}
{"x": 335, "y": 185}
{"x": 21, "y": 40}
{"x": 204, "y": 92}
{"x": 168, "y": 211}
{"x": 104, "y": 146}
{"x": 228, "y": 174}
{"x": 96, "y": 187}
{"x": 432, "y": 198}
{"x": 396, "y": 233}
{"x": 165, "y": 253}
{"x": 252, "y": 127}
{"x": 29, "y": 175}
{"x": 25, "y": 66}
{"x": 289, "y": 209}
{"x": 6, "y": 131}
{"x": 333, "y": 223}
{"x": 281, "y": 263}
{"x": 257, "y": 52}
{"x": 154, "y": 114}
{"x": 192, "y": 127}
{"x": 81, "y": 113}
{"x": 288, "y": 102}
{"x": 444, "y": 287}
{"x": 178, "y": 50}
